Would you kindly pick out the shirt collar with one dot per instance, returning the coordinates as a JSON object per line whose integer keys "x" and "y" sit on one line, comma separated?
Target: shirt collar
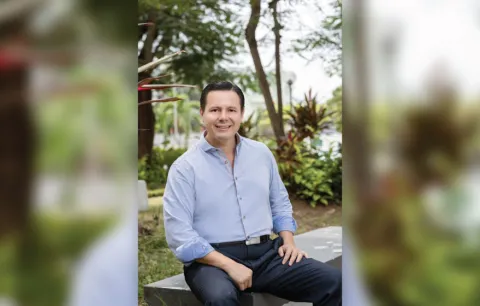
{"x": 205, "y": 146}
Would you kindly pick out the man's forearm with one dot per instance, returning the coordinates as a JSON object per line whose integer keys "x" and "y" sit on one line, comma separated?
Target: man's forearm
{"x": 218, "y": 260}
{"x": 287, "y": 237}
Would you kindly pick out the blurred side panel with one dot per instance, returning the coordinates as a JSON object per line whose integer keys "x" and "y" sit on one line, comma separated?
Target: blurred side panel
{"x": 68, "y": 152}
{"x": 412, "y": 152}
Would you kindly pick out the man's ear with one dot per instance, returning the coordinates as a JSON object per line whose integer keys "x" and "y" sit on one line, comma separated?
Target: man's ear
{"x": 201, "y": 112}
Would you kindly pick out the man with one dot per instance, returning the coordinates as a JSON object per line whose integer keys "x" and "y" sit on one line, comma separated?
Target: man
{"x": 223, "y": 199}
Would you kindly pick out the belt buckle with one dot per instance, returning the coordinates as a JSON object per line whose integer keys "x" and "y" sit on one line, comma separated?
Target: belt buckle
{"x": 253, "y": 240}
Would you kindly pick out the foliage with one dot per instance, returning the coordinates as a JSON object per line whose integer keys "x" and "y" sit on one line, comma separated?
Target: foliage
{"x": 326, "y": 40}
{"x": 155, "y": 260}
{"x": 310, "y": 118}
{"x": 250, "y": 126}
{"x": 146, "y": 117}
{"x": 334, "y": 104}
{"x": 206, "y": 29}
{"x": 188, "y": 113}
{"x": 155, "y": 173}
{"x": 65, "y": 142}
{"x": 156, "y": 192}
{"x": 53, "y": 245}
{"x": 308, "y": 174}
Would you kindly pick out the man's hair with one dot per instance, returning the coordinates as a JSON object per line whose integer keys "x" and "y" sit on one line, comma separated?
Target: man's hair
{"x": 224, "y": 85}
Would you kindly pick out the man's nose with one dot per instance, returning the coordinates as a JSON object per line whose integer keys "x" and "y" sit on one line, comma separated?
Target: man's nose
{"x": 223, "y": 115}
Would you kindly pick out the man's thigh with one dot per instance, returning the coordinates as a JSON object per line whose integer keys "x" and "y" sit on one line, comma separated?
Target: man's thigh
{"x": 306, "y": 281}
{"x": 211, "y": 285}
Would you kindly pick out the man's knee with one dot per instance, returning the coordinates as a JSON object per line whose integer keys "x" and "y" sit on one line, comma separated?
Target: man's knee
{"x": 336, "y": 279}
{"x": 331, "y": 288}
{"x": 222, "y": 296}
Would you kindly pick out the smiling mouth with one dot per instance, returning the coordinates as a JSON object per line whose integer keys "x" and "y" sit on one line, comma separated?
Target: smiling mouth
{"x": 223, "y": 127}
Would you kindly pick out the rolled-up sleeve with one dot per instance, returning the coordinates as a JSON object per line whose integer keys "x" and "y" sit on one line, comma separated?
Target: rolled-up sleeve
{"x": 282, "y": 212}
{"x": 178, "y": 207}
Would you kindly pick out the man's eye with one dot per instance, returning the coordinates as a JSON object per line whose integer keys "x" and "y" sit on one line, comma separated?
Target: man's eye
{"x": 233, "y": 110}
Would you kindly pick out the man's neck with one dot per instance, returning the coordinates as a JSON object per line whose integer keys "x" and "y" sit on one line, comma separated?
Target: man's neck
{"x": 226, "y": 146}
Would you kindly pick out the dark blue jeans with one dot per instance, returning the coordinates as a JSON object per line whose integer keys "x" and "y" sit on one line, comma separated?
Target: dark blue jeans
{"x": 307, "y": 281}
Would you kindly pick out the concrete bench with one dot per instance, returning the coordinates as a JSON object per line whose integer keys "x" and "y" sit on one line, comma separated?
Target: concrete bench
{"x": 323, "y": 244}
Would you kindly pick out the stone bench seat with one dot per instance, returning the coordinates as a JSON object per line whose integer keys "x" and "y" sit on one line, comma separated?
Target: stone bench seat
{"x": 323, "y": 244}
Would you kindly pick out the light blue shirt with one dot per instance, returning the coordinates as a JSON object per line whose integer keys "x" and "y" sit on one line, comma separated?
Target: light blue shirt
{"x": 206, "y": 201}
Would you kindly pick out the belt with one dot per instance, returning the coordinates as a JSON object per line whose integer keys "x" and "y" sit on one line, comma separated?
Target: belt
{"x": 251, "y": 241}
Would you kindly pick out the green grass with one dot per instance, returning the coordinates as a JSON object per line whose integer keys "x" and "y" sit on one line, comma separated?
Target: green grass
{"x": 155, "y": 201}
{"x": 156, "y": 192}
{"x": 155, "y": 260}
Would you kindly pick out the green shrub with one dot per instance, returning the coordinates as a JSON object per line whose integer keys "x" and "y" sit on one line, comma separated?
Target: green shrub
{"x": 155, "y": 172}
{"x": 331, "y": 164}
{"x": 156, "y": 192}
{"x": 309, "y": 175}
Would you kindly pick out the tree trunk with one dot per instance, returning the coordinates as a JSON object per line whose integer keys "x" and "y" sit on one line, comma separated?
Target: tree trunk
{"x": 17, "y": 152}
{"x": 276, "y": 29}
{"x": 146, "y": 116}
{"x": 17, "y": 149}
{"x": 146, "y": 124}
{"x": 355, "y": 126}
{"x": 275, "y": 119}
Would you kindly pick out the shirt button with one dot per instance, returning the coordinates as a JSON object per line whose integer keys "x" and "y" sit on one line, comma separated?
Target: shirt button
{"x": 240, "y": 198}
{"x": 244, "y": 217}
{"x": 226, "y": 162}
{"x": 236, "y": 178}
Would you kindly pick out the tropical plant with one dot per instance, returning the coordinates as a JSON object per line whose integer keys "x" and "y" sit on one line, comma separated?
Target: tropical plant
{"x": 310, "y": 118}
{"x": 187, "y": 114}
{"x": 250, "y": 127}
{"x": 309, "y": 175}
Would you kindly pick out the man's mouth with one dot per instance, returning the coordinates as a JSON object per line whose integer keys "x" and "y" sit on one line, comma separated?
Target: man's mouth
{"x": 222, "y": 127}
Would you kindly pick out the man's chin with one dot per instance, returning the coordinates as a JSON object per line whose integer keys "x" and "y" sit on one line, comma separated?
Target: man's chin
{"x": 224, "y": 136}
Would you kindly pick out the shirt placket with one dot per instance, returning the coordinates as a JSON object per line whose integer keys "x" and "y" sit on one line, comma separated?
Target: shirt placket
{"x": 231, "y": 171}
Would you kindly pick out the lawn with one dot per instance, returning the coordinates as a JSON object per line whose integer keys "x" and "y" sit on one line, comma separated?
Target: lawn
{"x": 156, "y": 261}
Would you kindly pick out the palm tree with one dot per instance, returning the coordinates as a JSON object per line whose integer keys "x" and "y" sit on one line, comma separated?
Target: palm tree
{"x": 164, "y": 118}
{"x": 188, "y": 117}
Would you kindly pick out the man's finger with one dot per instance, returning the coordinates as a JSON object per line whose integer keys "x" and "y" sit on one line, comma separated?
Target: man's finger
{"x": 293, "y": 257}
{"x": 288, "y": 252}
{"x": 280, "y": 251}
{"x": 299, "y": 257}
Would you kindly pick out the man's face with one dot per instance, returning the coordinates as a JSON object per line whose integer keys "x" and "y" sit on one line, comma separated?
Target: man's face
{"x": 222, "y": 115}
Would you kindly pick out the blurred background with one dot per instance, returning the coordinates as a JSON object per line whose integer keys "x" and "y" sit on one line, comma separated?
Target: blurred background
{"x": 411, "y": 152}
{"x": 68, "y": 153}
{"x": 286, "y": 59}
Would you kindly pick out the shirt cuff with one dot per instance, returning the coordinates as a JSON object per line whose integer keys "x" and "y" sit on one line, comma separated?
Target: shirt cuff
{"x": 284, "y": 223}
{"x": 193, "y": 249}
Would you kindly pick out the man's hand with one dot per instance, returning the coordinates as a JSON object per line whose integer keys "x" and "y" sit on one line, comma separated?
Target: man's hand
{"x": 241, "y": 275}
{"x": 290, "y": 252}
